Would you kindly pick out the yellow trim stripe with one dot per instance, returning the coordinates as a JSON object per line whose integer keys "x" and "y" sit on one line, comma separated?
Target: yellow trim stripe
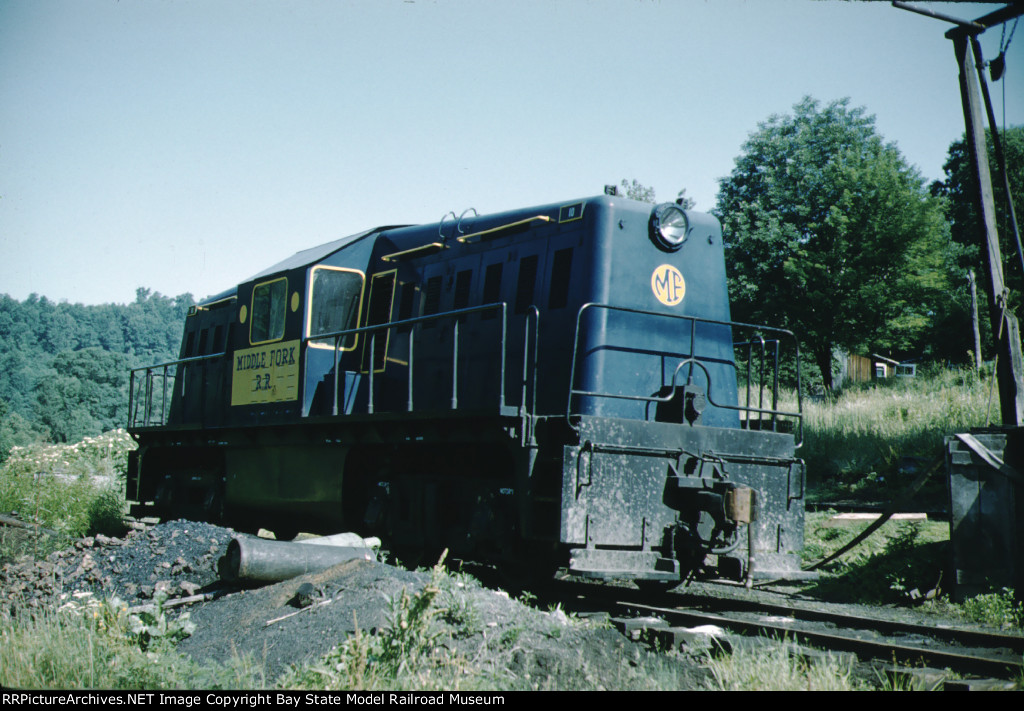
{"x": 486, "y": 234}
{"x": 425, "y": 249}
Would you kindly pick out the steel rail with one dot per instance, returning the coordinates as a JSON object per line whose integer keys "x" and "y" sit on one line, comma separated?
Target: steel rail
{"x": 956, "y": 635}
{"x": 890, "y": 650}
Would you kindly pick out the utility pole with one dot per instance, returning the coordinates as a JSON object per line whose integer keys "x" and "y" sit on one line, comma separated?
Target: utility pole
{"x": 986, "y": 517}
{"x": 1010, "y": 365}
{"x": 1009, "y": 362}
{"x": 976, "y": 327}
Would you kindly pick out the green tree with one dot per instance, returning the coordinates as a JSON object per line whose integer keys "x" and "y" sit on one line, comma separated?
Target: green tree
{"x": 831, "y": 234}
{"x": 34, "y": 377}
{"x": 15, "y": 431}
{"x": 959, "y": 186}
{"x": 85, "y": 395}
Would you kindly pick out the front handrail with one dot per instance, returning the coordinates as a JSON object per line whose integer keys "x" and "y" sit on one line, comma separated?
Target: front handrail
{"x": 692, "y": 360}
{"x": 759, "y": 340}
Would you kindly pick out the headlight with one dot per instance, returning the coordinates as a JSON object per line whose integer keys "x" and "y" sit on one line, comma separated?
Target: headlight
{"x": 669, "y": 226}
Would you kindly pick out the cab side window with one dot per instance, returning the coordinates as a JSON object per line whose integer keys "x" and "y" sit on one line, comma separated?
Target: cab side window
{"x": 335, "y": 297}
{"x": 268, "y": 311}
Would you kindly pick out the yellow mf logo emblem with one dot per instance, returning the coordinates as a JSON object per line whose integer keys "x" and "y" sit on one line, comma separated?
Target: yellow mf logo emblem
{"x": 668, "y": 285}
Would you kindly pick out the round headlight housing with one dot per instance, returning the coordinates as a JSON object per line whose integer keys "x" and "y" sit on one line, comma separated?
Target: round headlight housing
{"x": 669, "y": 226}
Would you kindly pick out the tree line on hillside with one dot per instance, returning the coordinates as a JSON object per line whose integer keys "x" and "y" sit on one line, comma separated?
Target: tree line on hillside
{"x": 64, "y": 367}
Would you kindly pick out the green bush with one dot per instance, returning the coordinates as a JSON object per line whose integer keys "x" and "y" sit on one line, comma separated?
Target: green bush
{"x": 998, "y": 609}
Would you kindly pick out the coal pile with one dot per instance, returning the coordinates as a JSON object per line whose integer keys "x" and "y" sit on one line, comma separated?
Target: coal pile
{"x": 175, "y": 559}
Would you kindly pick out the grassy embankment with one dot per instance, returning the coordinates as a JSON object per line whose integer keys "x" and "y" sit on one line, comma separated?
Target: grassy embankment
{"x": 867, "y": 443}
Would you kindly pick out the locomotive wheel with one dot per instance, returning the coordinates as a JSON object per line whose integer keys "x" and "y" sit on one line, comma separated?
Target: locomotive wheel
{"x": 213, "y": 506}
{"x": 162, "y": 498}
{"x": 285, "y": 533}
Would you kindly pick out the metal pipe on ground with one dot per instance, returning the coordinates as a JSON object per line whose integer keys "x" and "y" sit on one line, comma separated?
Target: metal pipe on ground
{"x": 266, "y": 561}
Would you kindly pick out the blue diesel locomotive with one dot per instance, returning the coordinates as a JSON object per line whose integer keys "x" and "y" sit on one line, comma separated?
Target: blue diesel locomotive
{"x": 556, "y": 386}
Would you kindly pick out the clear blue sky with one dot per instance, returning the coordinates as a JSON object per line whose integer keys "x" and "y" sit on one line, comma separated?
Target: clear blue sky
{"x": 186, "y": 145}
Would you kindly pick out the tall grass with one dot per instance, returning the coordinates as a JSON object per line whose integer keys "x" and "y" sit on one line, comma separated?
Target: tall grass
{"x": 870, "y": 440}
{"x": 73, "y": 489}
{"x": 780, "y": 667}
{"x": 58, "y": 485}
{"x": 97, "y": 645}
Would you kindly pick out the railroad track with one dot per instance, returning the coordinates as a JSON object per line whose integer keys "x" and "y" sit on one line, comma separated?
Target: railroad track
{"x": 670, "y": 618}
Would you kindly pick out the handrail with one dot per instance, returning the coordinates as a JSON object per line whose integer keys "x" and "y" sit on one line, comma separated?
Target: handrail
{"x": 133, "y": 405}
{"x": 440, "y": 225}
{"x": 180, "y": 361}
{"x": 455, "y": 315}
{"x": 496, "y": 231}
{"x": 146, "y": 408}
{"x": 775, "y": 343}
{"x": 692, "y": 360}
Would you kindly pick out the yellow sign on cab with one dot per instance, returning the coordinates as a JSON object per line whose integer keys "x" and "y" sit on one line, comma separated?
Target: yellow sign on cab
{"x": 267, "y": 373}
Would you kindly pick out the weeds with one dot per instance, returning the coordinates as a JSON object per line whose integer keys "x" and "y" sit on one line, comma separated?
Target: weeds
{"x": 149, "y": 627}
{"x": 999, "y": 609}
{"x": 92, "y": 644}
{"x": 779, "y": 667}
{"x": 865, "y": 442}
{"x": 410, "y": 652}
{"x": 996, "y": 609}
{"x": 457, "y": 608}
{"x": 527, "y": 598}
{"x": 75, "y": 489}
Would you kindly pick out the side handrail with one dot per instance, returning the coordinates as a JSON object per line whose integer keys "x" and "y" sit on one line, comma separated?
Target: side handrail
{"x": 529, "y": 363}
{"x": 150, "y": 409}
{"x": 692, "y": 360}
{"x": 456, "y": 316}
{"x": 151, "y": 374}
